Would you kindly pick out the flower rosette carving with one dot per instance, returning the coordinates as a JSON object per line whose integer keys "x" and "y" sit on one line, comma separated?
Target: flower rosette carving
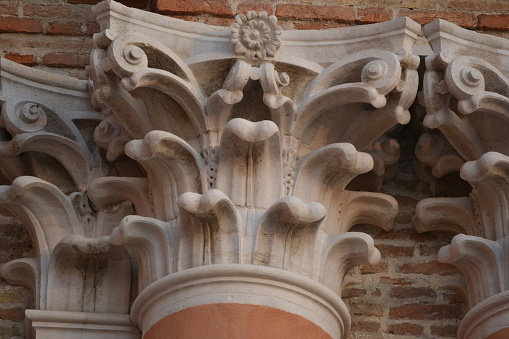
{"x": 256, "y": 35}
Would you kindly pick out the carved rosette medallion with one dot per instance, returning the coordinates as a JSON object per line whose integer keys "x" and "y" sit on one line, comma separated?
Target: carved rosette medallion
{"x": 256, "y": 35}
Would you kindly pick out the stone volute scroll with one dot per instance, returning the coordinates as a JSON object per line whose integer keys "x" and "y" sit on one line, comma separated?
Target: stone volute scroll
{"x": 249, "y": 137}
{"x": 466, "y": 93}
{"x": 49, "y": 161}
{"x": 204, "y": 169}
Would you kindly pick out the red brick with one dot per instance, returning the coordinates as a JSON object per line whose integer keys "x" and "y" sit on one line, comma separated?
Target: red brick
{"x": 21, "y": 25}
{"x": 13, "y": 315}
{"x": 426, "y": 312}
{"x": 373, "y": 15}
{"x": 396, "y": 251}
{"x": 433, "y": 267}
{"x": 463, "y": 19}
{"x": 498, "y": 22}
{"x": 256, "y": 6}
{"x": 65, "y": 60}
{"x": 216, "y": 7}
{"x": 24, "y": 59}
{"x": 68, "y": 28}
{"x": 407, "y": 328}
{"x": 407, "y": 292}
{"x": 444, "y": 331}
{"x": 316, "y": 12}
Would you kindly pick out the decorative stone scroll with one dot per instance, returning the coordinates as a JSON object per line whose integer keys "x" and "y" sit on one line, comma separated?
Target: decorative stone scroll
{"x": 466, "y": 93}
{"x": 221, "y": 162}
{"x": 47, "y": 157}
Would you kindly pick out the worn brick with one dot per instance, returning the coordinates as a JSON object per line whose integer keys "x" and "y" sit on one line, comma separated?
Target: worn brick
{"x": 444, "y": 330}
{"x": 65, "y": 60}
{"x": 9, "y": 10}
{"x": 433, "y": 267}
{"x": 13, "y": 296}
{"x": 317, "y": 25}
{"x": 35, "y": 42}
{"x": 129, "y": 3}
{"x": 316, "y": 12}
{"x": 24, "y": 59}
{"x": 408, "y": 292}
{"x": 367, "y": 308}
{"x": 69, "y": 28}
{"x": 366, "y": 326}
{"x": 216, "y": 7}
{"x": 382, "y": 266}
{"x": 205, "y": 19}
{"x": 498, "y": 22}
{"x": 463, "y": 19}
{"x": 405, "y": 329}
{"x": 17, "y": 314}
{"x": 257, "y": 7}
{"x": 479, "y": 5}
{"x": 373, "y": 15}
{"x": 75, "y": 13}
{"x": 21, "y": 25}
{"x": 425, "y": 312}
{"x": 353, "y": 292}
{"x": 395, "y": 251}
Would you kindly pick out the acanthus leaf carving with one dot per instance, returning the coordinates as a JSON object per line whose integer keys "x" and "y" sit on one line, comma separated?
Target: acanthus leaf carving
{"x": 214, "y": 217}
{"x": 343, "y": 252}
{"x": 174, "y": 164}
{"x": 148, "y": 240}
{"x": 259, "y": 144}
{"x": 87, "y": 274}
{"x": 288, "y": 235}
{"x": 242, "y": 168}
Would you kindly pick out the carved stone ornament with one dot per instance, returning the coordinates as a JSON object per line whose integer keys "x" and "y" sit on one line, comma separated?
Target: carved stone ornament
{"x": 256, "y": 35}
{"x": 466, "y": 93}
{"x": 224, "y": 175}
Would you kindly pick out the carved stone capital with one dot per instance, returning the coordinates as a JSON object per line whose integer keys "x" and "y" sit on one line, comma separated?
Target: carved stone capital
{"x": 466, "y": 94}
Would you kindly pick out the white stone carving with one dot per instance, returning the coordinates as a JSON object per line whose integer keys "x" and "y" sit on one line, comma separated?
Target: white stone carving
{"x": 226, "y": 170}
{"x": 256, "y": 35}
{"x": 76, "y": 269}
{"x": 233, "y": 177}
{"x": 466, "y": 93}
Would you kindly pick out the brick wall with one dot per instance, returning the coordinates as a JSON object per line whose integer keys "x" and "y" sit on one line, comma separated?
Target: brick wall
{"x": 402, "y": 297}
{"x": 14, "y": 243}
{"x": 57, "y": 33}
